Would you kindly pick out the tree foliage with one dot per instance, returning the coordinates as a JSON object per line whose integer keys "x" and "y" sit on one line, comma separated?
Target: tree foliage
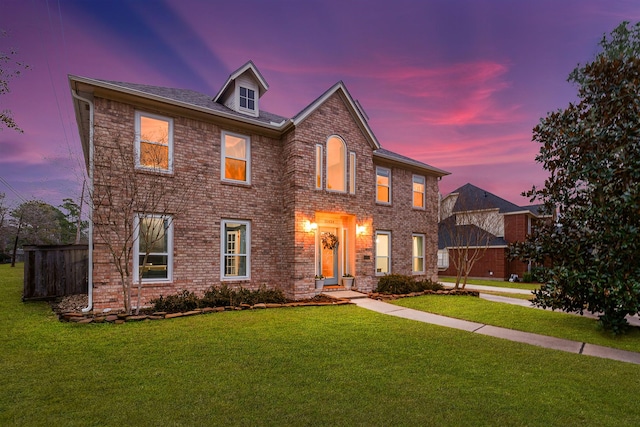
{"x": 591, "y": 150}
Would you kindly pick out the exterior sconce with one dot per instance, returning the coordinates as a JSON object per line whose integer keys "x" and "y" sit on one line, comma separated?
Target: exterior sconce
{"x": 360, "y": 229}
{"x": 310, "y": 226}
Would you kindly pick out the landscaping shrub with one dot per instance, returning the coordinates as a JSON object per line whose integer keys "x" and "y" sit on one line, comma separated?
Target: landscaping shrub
{"x": 180, "y": 302}
{"x": 402, "y": 284}
{"x": 222, "y": 296}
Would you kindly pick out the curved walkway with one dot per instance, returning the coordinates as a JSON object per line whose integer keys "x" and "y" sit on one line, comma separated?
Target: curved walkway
{"x": 361, "y": 300}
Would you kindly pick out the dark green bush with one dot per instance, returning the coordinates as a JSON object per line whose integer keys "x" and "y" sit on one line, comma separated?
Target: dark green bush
{"x": 402, "y": 284}
{"x": 222, "y": 296}
{"x": 180, "y": 302}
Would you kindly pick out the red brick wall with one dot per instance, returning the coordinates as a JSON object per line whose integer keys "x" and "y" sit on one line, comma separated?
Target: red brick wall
{"x": 281, "y": 197}
{"x": 494, "y": 260}
{"x": 515, "y": 227}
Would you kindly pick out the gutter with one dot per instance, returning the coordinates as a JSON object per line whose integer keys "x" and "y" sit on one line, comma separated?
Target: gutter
{"x": 89, "y": 306}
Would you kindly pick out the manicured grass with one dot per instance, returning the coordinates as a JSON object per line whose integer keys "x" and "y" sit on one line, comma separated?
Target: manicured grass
{"x": 301, "y": 366}
{"x": 545, "y": 322}
{"x": 497, "y": 283}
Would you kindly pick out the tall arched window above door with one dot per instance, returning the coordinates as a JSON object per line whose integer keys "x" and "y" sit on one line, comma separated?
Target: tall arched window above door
{"x": 336, "y": 164}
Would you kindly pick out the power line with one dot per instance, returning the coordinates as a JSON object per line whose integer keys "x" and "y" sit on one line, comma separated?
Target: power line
{"x": 13, "y": 190}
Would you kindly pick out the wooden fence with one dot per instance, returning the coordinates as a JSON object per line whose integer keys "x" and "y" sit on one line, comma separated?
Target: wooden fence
{"x": 55, "y": 271}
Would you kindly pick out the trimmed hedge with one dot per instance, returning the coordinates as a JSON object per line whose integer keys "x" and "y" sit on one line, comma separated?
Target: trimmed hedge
{"x": 222, "y": 296}
{"x": 401, "y": 284}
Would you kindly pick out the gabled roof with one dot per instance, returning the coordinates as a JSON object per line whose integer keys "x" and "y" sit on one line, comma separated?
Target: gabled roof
{"x": 382, "y": 153}
{"x": 340, "y": 89}
{"x": 471, "y": 198}
{"x": 253, "y": 70}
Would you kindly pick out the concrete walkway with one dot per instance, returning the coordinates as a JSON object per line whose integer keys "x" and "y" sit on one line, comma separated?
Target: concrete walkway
{"x": 361, "y": 300}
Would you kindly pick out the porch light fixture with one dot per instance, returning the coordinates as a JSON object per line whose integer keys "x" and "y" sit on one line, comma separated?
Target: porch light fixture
{"x": 361, "y": 229}
{"x": 310, "y": 226}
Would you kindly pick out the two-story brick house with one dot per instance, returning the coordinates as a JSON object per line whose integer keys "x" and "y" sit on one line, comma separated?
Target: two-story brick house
{"x": 473, "y": 213}
{"x": 271, "y": 200}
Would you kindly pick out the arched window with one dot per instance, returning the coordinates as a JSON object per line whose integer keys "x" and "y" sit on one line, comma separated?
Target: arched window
{"x": 336, "y": 164}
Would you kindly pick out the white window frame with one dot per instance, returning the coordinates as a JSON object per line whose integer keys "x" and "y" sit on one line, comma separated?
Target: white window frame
{"x": 378, "y": 170}
{"x": 388, "y": 234}
{"x": 224, "y": 254}
{"x": 319, "y": 159}
{"x": 352, "y": 172}
{"x": 138, "y": 126}
{"x": 344, "y": 165}
{"x": 416, "y": 180}
{"x": 169, "y": 253}
{"x": 414, "y": 256}
{"x": 224, "y": 157}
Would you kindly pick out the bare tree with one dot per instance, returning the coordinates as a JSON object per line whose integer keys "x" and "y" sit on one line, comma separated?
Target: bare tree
{"x": 134, "y": 206}
{"x": 467, "y": 232}
{"x": 9, "y": 69}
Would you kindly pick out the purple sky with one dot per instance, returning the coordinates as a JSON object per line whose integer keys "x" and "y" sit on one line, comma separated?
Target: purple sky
{"x": 458, "y": 84}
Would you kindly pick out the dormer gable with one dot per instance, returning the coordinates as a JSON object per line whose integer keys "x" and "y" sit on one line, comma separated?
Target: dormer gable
{"x": 243, "y": 89}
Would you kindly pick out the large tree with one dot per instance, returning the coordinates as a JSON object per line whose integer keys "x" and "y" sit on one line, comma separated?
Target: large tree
{"x": 591, "y": 150}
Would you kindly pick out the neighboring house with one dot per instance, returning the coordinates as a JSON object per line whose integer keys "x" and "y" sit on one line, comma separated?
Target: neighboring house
{"x": 484, "y": 220}
{"x": 272, "y": 193}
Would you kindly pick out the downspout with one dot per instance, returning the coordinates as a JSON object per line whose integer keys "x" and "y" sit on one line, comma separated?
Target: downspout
{"x": 89, "y": 306}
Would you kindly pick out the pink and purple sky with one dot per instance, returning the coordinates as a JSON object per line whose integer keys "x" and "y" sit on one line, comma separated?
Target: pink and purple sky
{"x": 457, "y": 84}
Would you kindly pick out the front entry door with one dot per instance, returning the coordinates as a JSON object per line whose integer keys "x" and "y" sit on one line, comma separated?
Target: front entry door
{"x": 328, "y": 249}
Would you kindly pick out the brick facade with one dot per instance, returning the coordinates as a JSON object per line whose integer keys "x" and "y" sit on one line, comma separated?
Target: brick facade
{"x": 280, "y": 202}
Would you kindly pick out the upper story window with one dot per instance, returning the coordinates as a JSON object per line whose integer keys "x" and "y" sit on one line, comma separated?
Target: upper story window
{"x": 418, "y": 192}
{"x": 383, "y": 185}
{"x": 352, "y": 173}
{"x": 336, "y": 164}
{"x": 154, "y": 142}
{"x": 247, "y": 98}
{"x": 318, "y": 166}
{"x": 153, "y": 248}
{"x": 236, "y": 158}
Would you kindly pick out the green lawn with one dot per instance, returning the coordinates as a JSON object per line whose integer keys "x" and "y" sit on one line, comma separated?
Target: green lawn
{"x": 497, "y": 283}
{"x": 300, "y": 366}
{"x": 545, "y": 322}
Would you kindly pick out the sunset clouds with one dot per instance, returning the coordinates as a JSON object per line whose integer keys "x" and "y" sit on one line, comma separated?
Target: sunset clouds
{"x": 456, "y": 84}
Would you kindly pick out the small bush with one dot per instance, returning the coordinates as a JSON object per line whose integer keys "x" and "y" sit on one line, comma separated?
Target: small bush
{"x": 527, "y": 277}
{"x": 400, "y": 284}
{"x": 180, "y": 302}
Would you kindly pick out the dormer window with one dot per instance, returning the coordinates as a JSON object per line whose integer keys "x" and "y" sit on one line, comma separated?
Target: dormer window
{"x": 247, "y": 98}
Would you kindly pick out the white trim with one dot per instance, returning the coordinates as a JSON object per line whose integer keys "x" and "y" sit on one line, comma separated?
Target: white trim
{"x": 424, "y": 192}
{"x": 138, "y": 115}
{"x": 423, "y": 257}
{"x": 344, "y": 164}
{"x": 352, "y": 172}
{"x": 224, "y": 156}
{"x": 136, "y": 248}
{"x": 223, "y": 252}
{"x": 382, "y": 202}
{"x": 375, "y": 265}
{"x": 249, "y": 65}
